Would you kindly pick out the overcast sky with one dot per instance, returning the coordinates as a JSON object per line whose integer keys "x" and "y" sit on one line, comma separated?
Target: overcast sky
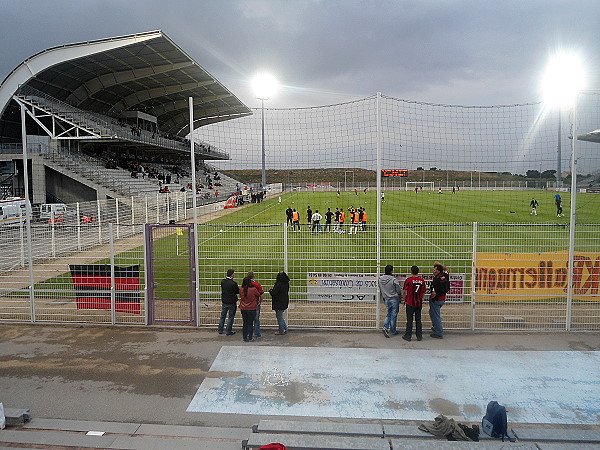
{"x": 476, "y": 52}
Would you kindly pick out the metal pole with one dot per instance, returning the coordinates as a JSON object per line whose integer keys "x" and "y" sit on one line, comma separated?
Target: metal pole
{"x": 113, "y": 299}
{"x": 378, "y": 174}
{"x": 264, "y": 170}
{"x": 28, "y": 214}
{"x": 473, "y": 276}
{"x": 559, "y": 150}
{"x": 572, "y": 218}
{"x": 194, "y": 204}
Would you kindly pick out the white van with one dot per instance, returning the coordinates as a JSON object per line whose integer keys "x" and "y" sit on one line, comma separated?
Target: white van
{"x": 12, "y": 210}
{"x": 48, "y": 210}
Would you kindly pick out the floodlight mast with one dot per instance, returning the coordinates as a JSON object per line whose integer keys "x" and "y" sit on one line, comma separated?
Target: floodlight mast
{"x": 563, "y": 82}
{"x": 264, "y": 87}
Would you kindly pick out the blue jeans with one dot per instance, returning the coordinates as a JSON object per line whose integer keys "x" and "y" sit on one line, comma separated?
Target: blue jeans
{"x": 257, "y": 322}
{"x": 230, "y": 308}
{"x": 392, "y": 305}
{"x": 435, "y": 314}
{"x": 280, "y": 321}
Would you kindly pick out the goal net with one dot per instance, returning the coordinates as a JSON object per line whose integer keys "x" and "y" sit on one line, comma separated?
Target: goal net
{"x": 419, "y": 185}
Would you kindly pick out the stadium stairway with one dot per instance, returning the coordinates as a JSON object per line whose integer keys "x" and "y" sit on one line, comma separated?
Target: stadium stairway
{"x": 322, "y": 434}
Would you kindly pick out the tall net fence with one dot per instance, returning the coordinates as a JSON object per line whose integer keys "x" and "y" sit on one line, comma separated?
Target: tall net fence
{"x": 467, "y": 201}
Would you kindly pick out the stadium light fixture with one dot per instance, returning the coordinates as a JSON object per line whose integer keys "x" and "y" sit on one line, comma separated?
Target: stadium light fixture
{"x": 563, "y": 81}
{"x": 264, "y": 86}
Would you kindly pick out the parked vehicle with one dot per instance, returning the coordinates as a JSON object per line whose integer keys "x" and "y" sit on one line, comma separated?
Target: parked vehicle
{"x": 53, "y": 211}
{"x": 12, "y": 210}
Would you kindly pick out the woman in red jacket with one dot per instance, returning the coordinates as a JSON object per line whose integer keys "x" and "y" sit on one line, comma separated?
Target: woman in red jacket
{"x": 248, "y": 304}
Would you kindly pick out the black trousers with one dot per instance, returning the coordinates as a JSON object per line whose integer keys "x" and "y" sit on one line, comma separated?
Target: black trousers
{"x": 413, "y": 311}
{"x": 248, "y": 316}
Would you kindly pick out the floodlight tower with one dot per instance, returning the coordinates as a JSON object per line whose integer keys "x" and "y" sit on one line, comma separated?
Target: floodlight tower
{"x": 264, "y": 86}
{"x": 563, "y": 81}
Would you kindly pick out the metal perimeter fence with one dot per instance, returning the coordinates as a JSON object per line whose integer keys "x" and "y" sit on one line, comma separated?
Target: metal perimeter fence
{"x": 504, "y": 276}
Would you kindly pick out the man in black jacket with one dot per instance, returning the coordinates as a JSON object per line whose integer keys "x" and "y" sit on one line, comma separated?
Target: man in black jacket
{"x": 439, "y": 288}
{"x": 229, "y": 297}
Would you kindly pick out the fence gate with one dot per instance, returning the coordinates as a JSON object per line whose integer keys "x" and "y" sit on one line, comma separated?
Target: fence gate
{"x": 170, "y": 263}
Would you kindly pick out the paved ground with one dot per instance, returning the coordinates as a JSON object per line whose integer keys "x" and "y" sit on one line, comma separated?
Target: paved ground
{"x": 151, "y": 375}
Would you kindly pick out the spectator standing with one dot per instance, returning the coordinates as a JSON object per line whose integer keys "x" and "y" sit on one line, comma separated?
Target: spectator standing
{"x": 229, "y": 297}
{"x": 249, "y": 301}
{"x": 261, "y": 292}
{"x": 280, "y": 300}
{"x": 439, "y": 288}
{"x": 391, "y": 291}
{"x": 413, "y": 290}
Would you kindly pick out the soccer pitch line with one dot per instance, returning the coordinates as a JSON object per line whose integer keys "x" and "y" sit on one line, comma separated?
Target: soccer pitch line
{"x": 427, "y": 240}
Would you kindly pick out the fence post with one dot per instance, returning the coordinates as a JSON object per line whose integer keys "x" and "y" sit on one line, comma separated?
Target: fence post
{"x": 157, "y": 210}
{"x": 146, "y": 268}
{"x": 474, "y": 275}
{"x": 146, "y": 204}
{"x": 99, "y": 224}
{"x": 22, "y": 238}
{"x": 132, "y": 212}
{"x": 113, "y": 317}
{"x": 52, "y": 233}
{"x": 78, "y": 227}
{"x": 117, "y": 213}
{"x": 177, "y": 196}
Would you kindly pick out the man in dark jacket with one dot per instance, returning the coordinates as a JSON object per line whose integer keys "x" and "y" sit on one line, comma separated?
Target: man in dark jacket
{"x": 439, "y": 288}
{"x": 229, "y": 297}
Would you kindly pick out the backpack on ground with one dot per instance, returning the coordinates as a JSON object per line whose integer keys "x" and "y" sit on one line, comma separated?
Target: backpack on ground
{"x": 495, "y": 423}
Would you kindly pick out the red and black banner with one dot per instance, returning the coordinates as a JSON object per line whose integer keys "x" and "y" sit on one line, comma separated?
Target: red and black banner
{"x": 92, "y": 287}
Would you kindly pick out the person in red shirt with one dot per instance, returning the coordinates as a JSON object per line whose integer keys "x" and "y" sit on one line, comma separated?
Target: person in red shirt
{"x": 414, "y": 290}
{"x": 249, "y": 298}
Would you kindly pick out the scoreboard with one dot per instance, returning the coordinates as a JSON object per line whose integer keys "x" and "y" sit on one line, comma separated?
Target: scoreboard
{"x": 394, "y": 173}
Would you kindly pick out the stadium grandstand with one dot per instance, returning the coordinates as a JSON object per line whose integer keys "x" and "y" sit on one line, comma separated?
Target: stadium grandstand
{"x": 109, "y": 118}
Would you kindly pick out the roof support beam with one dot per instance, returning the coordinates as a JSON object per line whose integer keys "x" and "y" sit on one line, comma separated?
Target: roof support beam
{"x": 108, "y": 80}
{"x": 138, "y": 97}
{"x": 164, "y": 108}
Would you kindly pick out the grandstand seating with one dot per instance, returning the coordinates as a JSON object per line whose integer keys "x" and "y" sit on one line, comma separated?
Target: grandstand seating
{"x": 110, "y": 128}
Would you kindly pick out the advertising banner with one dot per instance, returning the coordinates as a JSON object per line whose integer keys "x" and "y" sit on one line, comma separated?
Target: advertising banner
{"x": 362, "y": 287}
{"x": 341, "y": 287}
{"x": 527, "y": 276}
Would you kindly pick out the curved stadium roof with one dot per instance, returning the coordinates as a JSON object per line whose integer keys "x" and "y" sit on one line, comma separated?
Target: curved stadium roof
{"x": 144, "y": 72}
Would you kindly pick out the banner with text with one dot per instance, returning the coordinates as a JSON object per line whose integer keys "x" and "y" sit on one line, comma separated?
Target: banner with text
{"x": 362, "y": 287}
{"x": 341, "y": 287}
{"x": 526, "y": 276}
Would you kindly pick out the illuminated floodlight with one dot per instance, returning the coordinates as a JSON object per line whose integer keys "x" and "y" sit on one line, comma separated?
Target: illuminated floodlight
{"x": 264, "y": 86}
{"x": 563, "y": 79}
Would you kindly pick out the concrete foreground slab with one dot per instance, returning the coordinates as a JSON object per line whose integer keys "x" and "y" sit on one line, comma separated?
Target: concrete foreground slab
{"x": 402, "y": 384}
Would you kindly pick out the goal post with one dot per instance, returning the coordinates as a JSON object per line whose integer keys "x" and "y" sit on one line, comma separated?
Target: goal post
{"x": 422, "y": 185}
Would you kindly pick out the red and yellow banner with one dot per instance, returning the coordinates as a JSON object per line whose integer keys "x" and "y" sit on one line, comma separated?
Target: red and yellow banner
{"x": 526, "y": 276}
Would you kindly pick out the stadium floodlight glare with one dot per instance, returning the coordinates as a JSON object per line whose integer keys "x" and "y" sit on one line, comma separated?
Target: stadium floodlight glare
{"x": 563, "y": 79}
{"x": 265, "y": 86}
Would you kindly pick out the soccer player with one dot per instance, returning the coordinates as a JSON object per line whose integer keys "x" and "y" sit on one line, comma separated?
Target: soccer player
{"x": 342, "y": 220}
{"x": 336, "y": 219}
{"x": 328, "y": 216}
{"x": 309, "y": 214}
{"x": 414, "y": 290}
{"x": 288, "y": 214}
{"x": 363, "y": 220}
{"x": 296, "y": 219}
{"x": 353, "y": 221}
{"x": 316, "y": 221}
{"x": 559, "y": 208}
{"x": 534, "y": 204}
